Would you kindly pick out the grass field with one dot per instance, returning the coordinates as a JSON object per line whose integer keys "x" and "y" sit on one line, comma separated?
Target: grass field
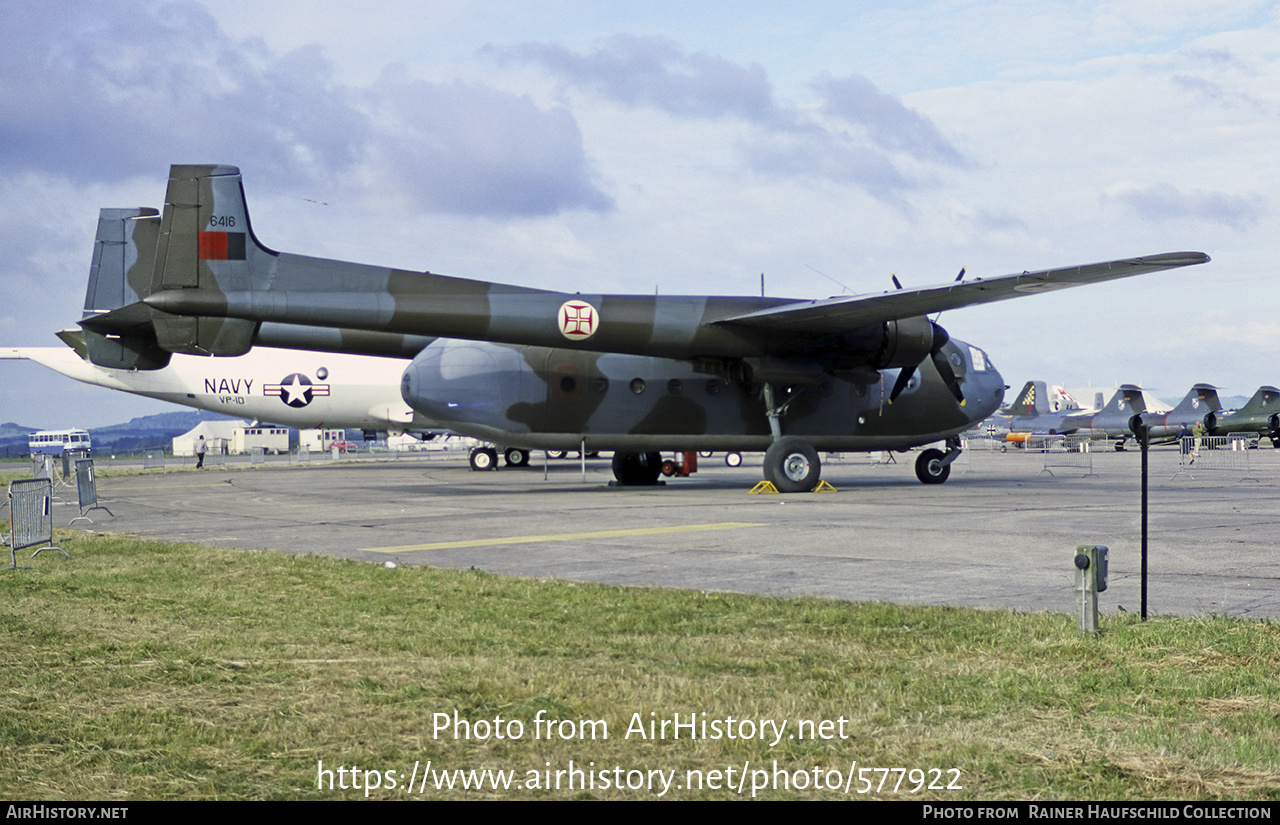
{"x": 154, "y": 671}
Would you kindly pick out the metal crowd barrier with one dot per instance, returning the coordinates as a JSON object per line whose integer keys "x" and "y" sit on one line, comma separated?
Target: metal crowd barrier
{"x": 42, "y": 466}
{"x": 30, "y": 518}
{"x": 1074, "y": 452}
{"x": 87, "y": 489}
{"x": 154, "y": 460}
{"x": 1214, "y": 452}
{"x": 257, "y": 456}
{"x": 986, "y": 444}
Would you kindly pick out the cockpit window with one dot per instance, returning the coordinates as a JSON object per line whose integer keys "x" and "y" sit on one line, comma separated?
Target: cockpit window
{"x": 979, "y": 359}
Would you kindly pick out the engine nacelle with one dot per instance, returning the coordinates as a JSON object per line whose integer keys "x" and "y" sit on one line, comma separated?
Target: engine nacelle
{"x": 907, "y": 342}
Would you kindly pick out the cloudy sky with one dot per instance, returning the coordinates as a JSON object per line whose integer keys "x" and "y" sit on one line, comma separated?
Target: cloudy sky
{"x": 683, "y": 148}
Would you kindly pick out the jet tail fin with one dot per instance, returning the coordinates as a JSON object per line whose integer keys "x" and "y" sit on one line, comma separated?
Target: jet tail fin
{"x": 1128, "y": 400}
{"x": 1263, "y": 401}
{"x": 1202, "y": 399}
{"x": 1034, "y": 397}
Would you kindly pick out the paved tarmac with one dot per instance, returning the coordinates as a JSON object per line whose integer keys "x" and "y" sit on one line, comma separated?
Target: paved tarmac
{"x": 1000, "y": 534}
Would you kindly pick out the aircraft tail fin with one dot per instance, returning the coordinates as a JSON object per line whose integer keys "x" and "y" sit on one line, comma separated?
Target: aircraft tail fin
{"x": 1202, "y": 399}
{"x": 205, "y": 241}
{"x": 124, "y": 250}
{"x": 1263, "y": 401}
{"x": 206, "y": 245}
{"x": 1032, "y": 401}
{"x": 1127, "y": 400}
{"x": 201, "y": 243}
{"x": 123, "y": 256}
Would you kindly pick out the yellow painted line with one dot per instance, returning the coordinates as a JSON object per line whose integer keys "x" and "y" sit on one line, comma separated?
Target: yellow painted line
{"x": 601, "y": 534}
{"x": 170, "y": 486}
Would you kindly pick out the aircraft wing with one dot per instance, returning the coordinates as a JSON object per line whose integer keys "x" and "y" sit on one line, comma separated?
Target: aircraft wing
{"x": 835, "y": 315}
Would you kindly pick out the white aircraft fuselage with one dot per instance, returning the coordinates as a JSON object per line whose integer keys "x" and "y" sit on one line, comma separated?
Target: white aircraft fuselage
{"x": 288, "y": 387}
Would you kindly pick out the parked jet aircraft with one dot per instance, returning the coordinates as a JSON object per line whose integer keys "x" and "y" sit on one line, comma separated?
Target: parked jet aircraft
{"x": 1112, "y": 421}
{"x": 1260, "y": 414}
{"x": 550, "y": 370}
{"x": 1201, "y": 401}
{"x": 1038, "y": 410}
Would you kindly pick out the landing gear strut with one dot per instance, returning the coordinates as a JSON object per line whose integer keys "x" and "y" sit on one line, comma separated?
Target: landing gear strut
{"x": 791, "y": 464}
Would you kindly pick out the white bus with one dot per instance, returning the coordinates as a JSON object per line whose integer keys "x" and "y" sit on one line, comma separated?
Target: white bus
{"x": 56, "y": 442}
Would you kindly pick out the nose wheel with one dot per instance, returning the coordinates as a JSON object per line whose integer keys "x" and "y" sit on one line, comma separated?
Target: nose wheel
{"x": 934, "y": 466}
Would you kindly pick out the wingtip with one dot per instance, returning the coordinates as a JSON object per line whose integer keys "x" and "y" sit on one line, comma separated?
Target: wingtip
{"x": 1174, "y": 259}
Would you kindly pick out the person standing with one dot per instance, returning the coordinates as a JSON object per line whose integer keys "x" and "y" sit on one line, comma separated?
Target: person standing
{"x": 200, "y": 448}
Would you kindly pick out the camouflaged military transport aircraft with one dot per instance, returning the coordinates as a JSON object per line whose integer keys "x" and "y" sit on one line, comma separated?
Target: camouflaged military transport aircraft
{"x": 548, "y": 370}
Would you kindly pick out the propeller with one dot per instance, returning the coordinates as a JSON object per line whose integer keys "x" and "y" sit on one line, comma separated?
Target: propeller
{"x": 940, "y": 362}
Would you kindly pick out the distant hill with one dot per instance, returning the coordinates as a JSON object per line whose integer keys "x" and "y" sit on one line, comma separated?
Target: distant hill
{"x": 149, "y": 431}
{"x": 178, "y": 422}
{"x": 11, "y": 430}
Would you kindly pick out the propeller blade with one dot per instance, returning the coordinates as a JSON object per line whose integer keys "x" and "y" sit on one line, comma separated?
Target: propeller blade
{"x": 904, "y": 378}
{"x": 943, "y": 365}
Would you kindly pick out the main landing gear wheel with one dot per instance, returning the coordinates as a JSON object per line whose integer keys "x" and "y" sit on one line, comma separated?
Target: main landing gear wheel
{"x": 484, "y": 458}
{"x": 637, "y": 469}
{"x": 517, "y": 457}
{"x": 930, "y": 469}
{"x": 792, "y": 465}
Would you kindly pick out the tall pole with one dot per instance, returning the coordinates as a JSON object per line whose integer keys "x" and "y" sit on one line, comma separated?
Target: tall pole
{"x": 1143, "y": 433}
{"x": 1145, "y": 441}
